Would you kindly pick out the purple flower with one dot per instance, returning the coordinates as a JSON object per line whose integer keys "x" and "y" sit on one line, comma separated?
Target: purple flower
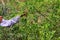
{"x": 10, "y": 22}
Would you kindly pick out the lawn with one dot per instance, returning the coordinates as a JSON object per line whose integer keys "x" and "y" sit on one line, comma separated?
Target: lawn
{"x": 42, "y": 20}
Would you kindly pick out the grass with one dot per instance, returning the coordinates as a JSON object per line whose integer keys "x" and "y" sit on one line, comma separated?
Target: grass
{"x": 41, "y": 23}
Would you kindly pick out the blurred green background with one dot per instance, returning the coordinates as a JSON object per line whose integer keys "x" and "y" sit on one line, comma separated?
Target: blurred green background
{"x": 41, "y": 23}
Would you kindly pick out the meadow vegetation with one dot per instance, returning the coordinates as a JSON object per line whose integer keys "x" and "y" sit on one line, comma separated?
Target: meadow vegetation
{"x": 42, "y": 20}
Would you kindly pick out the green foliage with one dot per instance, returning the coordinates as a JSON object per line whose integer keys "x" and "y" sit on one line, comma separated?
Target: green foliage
{"x": 42, "y": 21}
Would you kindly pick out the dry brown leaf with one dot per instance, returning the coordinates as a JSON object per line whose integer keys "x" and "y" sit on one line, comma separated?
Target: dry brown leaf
{"x": 26, "y": 10}
{"x": 32, "y": 21}
{"x": 39, "y": 19}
